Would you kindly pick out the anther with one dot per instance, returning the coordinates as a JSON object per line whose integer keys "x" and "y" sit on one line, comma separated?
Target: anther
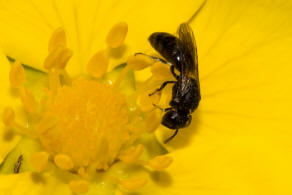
{"x": 133, "y": 183}
{"x": 8, "y": 116}
{"x": 117, "y": 34}
{"x": 63, "y": 162}
{"x": 28, "y": 100}
{"x": 160, "y": 163}
{"x": 58, "y": 38}
{"x": 139, "y": 62}
{"x": 160, "y": 71}
{"x": 146, "y": 102}
{"x": 132, "y": 154}
{"x": 17, "y": 75}
{"x": 98, "y": 64}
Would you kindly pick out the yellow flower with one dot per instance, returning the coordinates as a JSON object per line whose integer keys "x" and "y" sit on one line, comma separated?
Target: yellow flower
{"x": 239, "y": 139}
{"x": 87, "y": 130}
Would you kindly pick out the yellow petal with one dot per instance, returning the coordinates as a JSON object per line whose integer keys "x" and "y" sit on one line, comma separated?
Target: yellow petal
{"x": 32, "y": 184}
{"x": 237, "y": 165}
{"x": 244, "y": 67}
{"x": 239, "y": 139}
{"x": 25, "y": 147}
{"x": 29, "y": 24}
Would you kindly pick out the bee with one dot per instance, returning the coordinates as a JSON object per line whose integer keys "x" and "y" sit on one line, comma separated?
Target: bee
{"x": 180, "y": 52}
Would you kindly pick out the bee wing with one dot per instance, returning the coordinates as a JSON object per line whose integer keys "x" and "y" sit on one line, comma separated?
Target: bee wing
{"x": 189, "y": 51}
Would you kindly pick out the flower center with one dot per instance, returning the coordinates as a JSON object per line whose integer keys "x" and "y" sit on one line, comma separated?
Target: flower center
{"x": 91, "y": 123}
{"x": 85, "y": 125}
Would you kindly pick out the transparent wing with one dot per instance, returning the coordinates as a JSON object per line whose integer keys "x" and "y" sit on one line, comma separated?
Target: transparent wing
{"x": 188, "y": 49}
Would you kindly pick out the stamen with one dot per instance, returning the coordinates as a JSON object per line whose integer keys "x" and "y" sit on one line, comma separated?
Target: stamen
{"x": 117, "y": 34}
{"x": 133, "y": 183}
{"x": 146, "y": 102}
{"x": 54, "y": 80}
{"x": 63, "y": 162}
{"x": 132, "y": 154}
{"x": 160, "y": 163}
{"x": 152, "y": 120}
{"x": 17, "y": 75}
{"x": 47, "y": 122}
{"x": 64, "y": 58}
{"x": 139, "y": 62}
{"x": 98, "y": 64}
{"x": 28, "y": 100}
{"x": 54, "y": 57}
{"x": 82, "y": 172}
{"x": 8, "y": 116}
{"x": 58, "y": 38}
{"x": 160, "y": 71}
{"x": 79, "y": 186}
{"x": 121, "y": 77}
{"x": 39, "y": 161}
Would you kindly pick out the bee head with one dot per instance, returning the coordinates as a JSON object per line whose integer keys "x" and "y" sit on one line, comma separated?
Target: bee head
{"x": 174, "y": 119}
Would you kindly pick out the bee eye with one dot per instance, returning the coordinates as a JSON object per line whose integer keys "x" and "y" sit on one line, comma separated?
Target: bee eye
{"x": 176, "y": 100}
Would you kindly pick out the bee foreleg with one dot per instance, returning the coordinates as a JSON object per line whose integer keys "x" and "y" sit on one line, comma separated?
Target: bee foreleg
{"x": 162, "y": 109}
{"x": 154, "y": 58}
{"x": 173, "y": 72}
{"x": 162, "y": 87}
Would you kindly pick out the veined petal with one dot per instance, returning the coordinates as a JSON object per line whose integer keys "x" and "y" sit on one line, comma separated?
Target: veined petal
{"x": 239, "y": 140}
{"x": 236, "y": 165}
{"x": 86, "y": 24}
{"x": 245, "y": 65}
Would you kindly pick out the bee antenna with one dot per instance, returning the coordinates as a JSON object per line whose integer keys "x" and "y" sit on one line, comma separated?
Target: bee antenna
{"x": 171, "y": 137}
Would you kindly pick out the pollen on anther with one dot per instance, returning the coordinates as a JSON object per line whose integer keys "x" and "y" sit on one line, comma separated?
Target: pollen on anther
{"x": 160, "y": 163}
{"x": 63, "y": 162}
{"x": 8, "y": 116}
{"x": 28, "y": 100}
{"x": 133, "y": 183}
{"x": 65, "y": 56}
{"x": 152, "y": 120}
{"x": 17, "y": 75}
{"x": 58, "y": 38}
{"x": 139, "y": 62}
{"x": 145, "y": 101}
{"x": 132, "y": 154}
{"x": 98, "y": 64}
{"x": 117, "y": 34}
{"x": 160, "y": 71}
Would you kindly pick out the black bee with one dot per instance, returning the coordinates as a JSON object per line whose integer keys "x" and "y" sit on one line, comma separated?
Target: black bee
{"x": 181, "y": 54}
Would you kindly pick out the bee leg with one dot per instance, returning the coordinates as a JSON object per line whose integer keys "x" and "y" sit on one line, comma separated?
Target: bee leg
{"x": 171, "y": 137}
{"x": 162, "y": 87}
{"x": 173, "y": 72}
{"x": 162, "y": 109}
{"x": 154, "y": 58}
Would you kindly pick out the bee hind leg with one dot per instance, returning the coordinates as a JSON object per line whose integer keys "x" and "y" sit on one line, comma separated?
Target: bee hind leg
{"x": 153, "y": 57}
{"x": 162, "y": 87}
